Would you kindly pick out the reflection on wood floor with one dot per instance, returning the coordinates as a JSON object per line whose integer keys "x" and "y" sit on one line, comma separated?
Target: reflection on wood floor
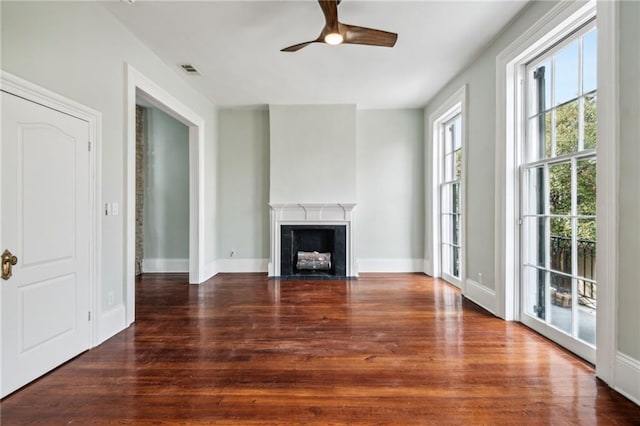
{"x": 383, "y": 349}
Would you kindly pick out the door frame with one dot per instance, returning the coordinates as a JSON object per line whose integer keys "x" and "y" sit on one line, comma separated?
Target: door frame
{"x": 15, "y": 85}
{"x": 138, "y": 85}
{"x": 550, "y": 27}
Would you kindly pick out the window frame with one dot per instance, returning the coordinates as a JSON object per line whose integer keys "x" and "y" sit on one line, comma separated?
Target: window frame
{"x": 560, "y": 21}
{"x": 454, "y": 105}
{"x": 448, "y": 180}
{"x": 538, "y": 310}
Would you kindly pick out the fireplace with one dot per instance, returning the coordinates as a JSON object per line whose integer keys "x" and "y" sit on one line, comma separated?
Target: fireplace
{"x": 313, "y": 251}
{"x": 312, "y": 241}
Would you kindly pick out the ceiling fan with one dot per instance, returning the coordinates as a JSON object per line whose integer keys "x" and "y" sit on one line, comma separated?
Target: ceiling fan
{"x": 335, "y": 32}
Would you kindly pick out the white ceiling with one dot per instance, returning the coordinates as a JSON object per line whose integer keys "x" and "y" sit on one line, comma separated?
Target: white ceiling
{"x": 236, "y": 47}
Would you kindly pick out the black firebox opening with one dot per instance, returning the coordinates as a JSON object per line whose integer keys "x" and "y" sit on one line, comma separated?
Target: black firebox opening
{"x": 309, "y": 238}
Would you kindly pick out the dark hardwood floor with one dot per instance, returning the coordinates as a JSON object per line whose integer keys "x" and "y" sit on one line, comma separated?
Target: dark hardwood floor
{"x": 384, "y": 349}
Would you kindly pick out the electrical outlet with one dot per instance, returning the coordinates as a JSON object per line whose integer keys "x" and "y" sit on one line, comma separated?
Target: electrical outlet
{"x": 480, "y": 277}
{"x": 111, "y": 209}
{"x": 110, "y": 298}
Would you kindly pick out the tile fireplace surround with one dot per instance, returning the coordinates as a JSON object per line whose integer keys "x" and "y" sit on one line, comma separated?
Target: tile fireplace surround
{"x": 312, "y": 214}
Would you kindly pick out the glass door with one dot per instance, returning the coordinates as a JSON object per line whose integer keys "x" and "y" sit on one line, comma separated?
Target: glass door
{"x": 558, "y": 194}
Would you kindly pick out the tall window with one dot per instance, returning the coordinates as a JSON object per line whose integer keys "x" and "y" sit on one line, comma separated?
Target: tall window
{"x": 446, "y": 247}
{"x": 558, "y": 176}
{"x": 450, "y": 207}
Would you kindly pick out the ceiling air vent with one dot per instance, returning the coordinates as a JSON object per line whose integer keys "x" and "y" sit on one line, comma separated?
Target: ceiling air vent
{"x": 190, "y": 69}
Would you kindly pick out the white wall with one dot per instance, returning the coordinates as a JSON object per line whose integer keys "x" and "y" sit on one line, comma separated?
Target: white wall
{"x": 390, "y": 184}
{"x": 166, "y": 189}
{"x": 243, "y": 184}
{"x": 79, "y": 50}
{"x": 313, "y": 153}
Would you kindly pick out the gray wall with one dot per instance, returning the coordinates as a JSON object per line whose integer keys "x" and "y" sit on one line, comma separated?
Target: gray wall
{"x": 243, "y": 191}
{"x": 388, "y": 173}
{"x": 480, "y": 167}
{"x": 79, "y": 50}
{"x": 166, "y": 188}
{"x": 313, "y": 153}
{"x": 480, "y": 77}
{"x": 629, "y": 181}
{"x": 390, "y": 184}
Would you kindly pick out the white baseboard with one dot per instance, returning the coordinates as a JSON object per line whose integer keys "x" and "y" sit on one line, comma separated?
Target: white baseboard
{"x": 426, "y": 267}
{"x": 481, "y": 295}
{"x": 111, "y": 323}
{"x": 210, "y": 269}
{"x": 165, "y": 265}
{"x": 390, "y": 265}
{"x": 627, "y": 377}
{"x": 242, "y": 265}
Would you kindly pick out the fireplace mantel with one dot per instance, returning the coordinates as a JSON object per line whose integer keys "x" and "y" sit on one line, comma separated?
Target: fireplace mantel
{"x": 311, "y": 214}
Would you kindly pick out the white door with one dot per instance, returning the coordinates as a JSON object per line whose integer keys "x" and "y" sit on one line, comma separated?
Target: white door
{"x": 45, "y": 224}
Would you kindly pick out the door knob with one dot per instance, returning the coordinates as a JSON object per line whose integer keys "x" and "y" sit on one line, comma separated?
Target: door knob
{"x": 8, "y": 260}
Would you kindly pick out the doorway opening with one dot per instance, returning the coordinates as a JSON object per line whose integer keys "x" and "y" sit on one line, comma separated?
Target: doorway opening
{"x": 162, "y": 192}
{"x": 140, "y": 87}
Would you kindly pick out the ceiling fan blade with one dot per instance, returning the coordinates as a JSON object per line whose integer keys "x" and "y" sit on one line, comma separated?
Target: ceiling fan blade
{"x": 299, "y": 46}
{"x": 361, "y": 35}
{"x": 330, "y": 10}
{"x": 335, "y": 32}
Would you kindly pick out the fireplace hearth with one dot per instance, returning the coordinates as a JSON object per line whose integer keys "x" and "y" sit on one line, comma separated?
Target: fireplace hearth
{"x": 313, "y": 251}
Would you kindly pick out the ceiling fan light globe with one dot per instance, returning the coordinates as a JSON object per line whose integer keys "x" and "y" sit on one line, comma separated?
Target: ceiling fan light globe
{"x": 333, "y": 38}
